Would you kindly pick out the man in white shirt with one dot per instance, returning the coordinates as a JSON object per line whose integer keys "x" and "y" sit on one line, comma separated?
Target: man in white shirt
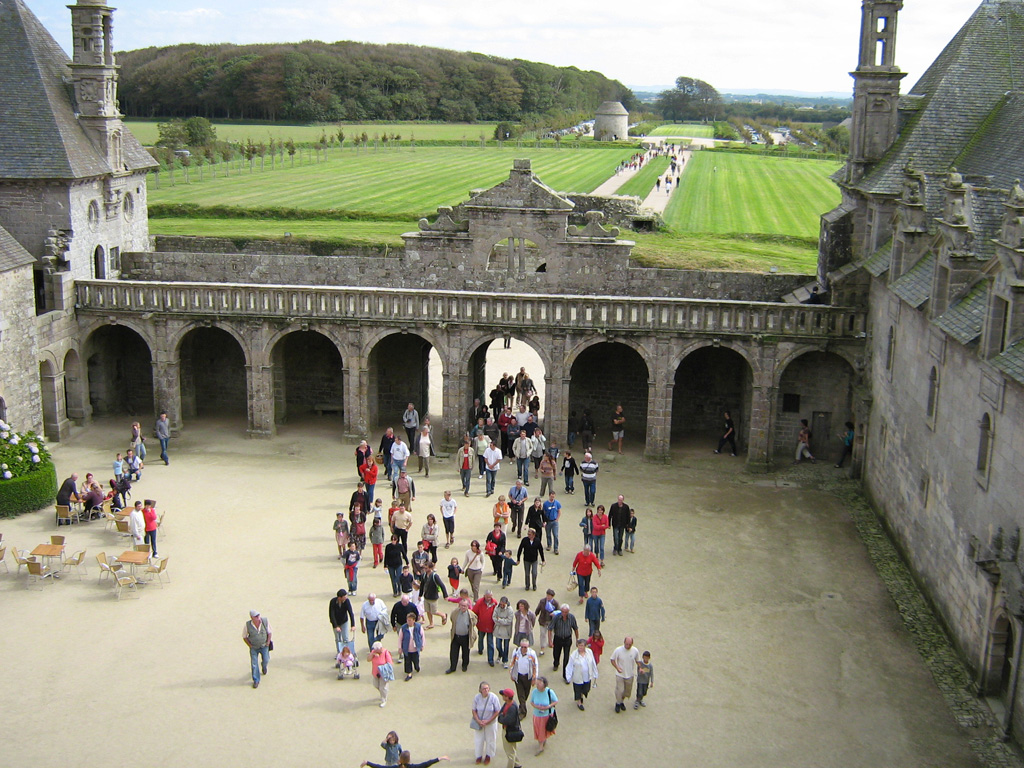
{"x": 624, "y": 659}
{"x": 399, "y": 454}
{"x": 448, "y": 508}
{"x": 136, "y": 524}
{"x": 523, "y": 668}
{"x": 492, "y": 460}
{"x": 373, "y": 619}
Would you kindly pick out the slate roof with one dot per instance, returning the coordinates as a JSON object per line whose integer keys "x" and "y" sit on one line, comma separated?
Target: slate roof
{"x": 1011, "y": 362}
{"x": 915, "y": 287}
{"x": 878, "y": 263}
{"x": 965, "y": 319}
{"x": 40, "y": 135}
{"x": 12, "y": 254}
{"x": 963, "y": 105}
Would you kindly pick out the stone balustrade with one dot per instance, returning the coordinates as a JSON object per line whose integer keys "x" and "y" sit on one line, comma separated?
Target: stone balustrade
{"x": 537, "y": 311}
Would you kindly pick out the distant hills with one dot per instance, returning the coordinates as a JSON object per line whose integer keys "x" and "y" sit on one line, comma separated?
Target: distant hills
{"x": 648, "y": 93}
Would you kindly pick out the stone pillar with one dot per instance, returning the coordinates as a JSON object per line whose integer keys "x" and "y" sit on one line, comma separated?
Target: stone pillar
{"x": 167, "y": 392}
{"x": 763, "y": 396}
{"x": 556, "y": 409}
{"x": 357, "y": 424}
{"x": 56, "y": 426}
{"x": 659, "y": 420}
{"x": 259, "y": 379}
{"x": 455, "y": 399}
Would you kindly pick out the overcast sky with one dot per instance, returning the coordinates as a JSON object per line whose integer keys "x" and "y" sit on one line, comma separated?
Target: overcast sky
{"x": 805, "y": 45}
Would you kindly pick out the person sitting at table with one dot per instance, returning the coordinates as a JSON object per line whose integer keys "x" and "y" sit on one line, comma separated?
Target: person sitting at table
{"x": 68, "y": 492}
{"x": 137, "y": 524}
{"x": 92, "y": 502}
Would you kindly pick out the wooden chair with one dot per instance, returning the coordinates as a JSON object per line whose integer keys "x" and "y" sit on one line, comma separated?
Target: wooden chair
{"x": 37, "y": 572}
{"x": 76, "y": 561}
{"x": 20, "y": 557}
{"x": 64, "y": 515}
{"x": 122, "y": 529}
{"x": 143, "y": 548}
{"x": 105, "y": 569}
{"x": 160, "y": 569}
{"x": 125, "y": 581}
{"x": 3, "y": 559}
{"x": 160, "y": 524}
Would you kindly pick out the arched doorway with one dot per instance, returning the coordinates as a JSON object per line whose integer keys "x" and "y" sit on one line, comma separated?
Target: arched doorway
{"x": 709, "y": 382}
{"x": 605, "y": 375}
{"x": 53, "y": 398}
{"x": 120, "y": 371}
{"x": 308, "y": 376}
{"x": 402, "y": 370}
{"x": 491, "y": 360}
{"x": 99, "y": 261}
{"x": 517, "y": 256}
{"x": 817, "y": 386}
{"x": 74, "y": 387}
{"x": 213, "y": 381}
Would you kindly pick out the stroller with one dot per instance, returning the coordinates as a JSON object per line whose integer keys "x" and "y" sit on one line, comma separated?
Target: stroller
{"x": 348, "y": 665}
{"x": 122, "y": 492}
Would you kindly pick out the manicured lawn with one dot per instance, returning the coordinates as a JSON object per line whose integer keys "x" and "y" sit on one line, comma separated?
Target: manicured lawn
{"x": 405, "y": 181}
{"x": 356, "y": 233}
{"x": 642, "y": 184}
{"x": 146, "y": 131}
{"x": 740, "y": 253}
{"x": 752, "y": 195}
{"x": 692, "y": 130}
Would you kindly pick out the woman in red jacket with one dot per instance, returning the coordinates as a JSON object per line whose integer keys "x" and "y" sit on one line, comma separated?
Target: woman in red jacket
{"x": 600, "y": 526}
{"x": 584, "y": 565}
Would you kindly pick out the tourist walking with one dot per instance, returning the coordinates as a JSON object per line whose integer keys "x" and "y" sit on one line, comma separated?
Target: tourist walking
{"x": 594, "y": 612}
{"x": 588, "y": 476}
{"x": 429, "y": 535}
{"x": 545, "y": 720}
{"x": 463, "y": 635}
{"x": 387, "y": 440}
{"x": 618, "y": 428}
{"x": 600, "y": 529}
{"x": 394, "y": 555}
{"x": 523, "y": 623}
{"x": 847, "y": 444}
{"x": 524, "y": 666}
{"x": 431, "y": 588}
{"x": 644, "y": 679}
{"x": 569, "y": 471}
{"x": 410, "y": 643}
{"x": 583, "y": 566}
{"x": 411, "y": 422}
{"x": 163, "y": 434}
{"x": 494, "y": 547}
{"x": 257, "y": 635}
{"x": 582, "y": 672}
{"x": 473, "y": 567}
{"x": 545, "y": 610}
{"x": 464, "y": 462}
{"x": 383, "y": 671}
{"x": 629, "y": 542}
{"x": 517, "y": 496}
{"x": 424, "y": 449}
{"x": 624, "y": 659}
{"x": 448, "y": 509}
{"x": 509, "y": 719}
{"x": 504, "y": 617}
{"x": 486, "y": 707}
{"x": 587, "y": 524}
{"x": 803, "y": 443}
{"x": 564, "y": 631}
{"x": 373, "y": 619}
{"x": 364, "y": 454}
{"x": 492, "y": 462}
{"x": 618, "y": 516}
{"x": 552, "y": 513}
{"x": 341, "y": 534}
{"x": 399, "y": 457}
{"x": 530, "y": 550}
{"x": 729, "y": 436}
{"x": 484, "y": 610}
{"x": 339, "y": 611}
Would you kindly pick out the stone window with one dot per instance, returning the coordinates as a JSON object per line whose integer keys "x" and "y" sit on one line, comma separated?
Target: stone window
{"x": 890, "y": 351}
{"x": 94, "y": 215}
{"x": 995, "y": 327}
{"x": 986, "y": 438}
{"x": 129, "y": 206}
{"x": 115, "y": 259}
{"x": 933, "y": 397}
{"x": 790, "y": 403}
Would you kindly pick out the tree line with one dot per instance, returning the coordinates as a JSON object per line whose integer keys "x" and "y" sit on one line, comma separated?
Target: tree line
{"x": 327, "y": 82}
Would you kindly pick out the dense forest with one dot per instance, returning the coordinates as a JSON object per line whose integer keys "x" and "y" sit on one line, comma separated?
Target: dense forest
{"x": 314, "y": 81}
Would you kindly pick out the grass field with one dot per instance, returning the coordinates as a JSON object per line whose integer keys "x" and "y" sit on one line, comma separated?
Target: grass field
{"x": 752, "y": 195}
{"x": 642, "y": 184}
{"x": 692, "y": 130}
{"x": 146, "y": 131}
{"x": 396, "y": 182}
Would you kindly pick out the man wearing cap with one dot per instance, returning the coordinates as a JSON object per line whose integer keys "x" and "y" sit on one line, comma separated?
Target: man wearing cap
{"x": 257, "y": 636}
{"x": 342, "y": 620}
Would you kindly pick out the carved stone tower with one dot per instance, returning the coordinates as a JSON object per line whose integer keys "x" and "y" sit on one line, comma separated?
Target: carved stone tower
{"x": 876, "y": 90}
{"x": 94, "y": 74}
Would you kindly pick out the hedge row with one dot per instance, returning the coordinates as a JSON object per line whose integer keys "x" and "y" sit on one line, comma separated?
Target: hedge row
{"x": 35, "y": 490}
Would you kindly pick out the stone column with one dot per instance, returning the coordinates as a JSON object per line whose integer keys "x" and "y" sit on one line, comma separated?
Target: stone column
{"x": 56, "y": 426}
{"x": 357, "y": 424}
{"x": 455, "y": 399}
{"x": 259, "y": 381}
{"x": 556, "y": 409}
{"x": 763, "y": 396}
{"x": 167, "y": 392}
{"x": 659, "y": 419}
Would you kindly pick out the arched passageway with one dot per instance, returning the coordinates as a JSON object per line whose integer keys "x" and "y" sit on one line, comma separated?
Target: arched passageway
{"x": 74, "y": 387}
{"x": 308, "y": 376}
{"x": 817, "y": 386}
{"x": 709, "y": 382}
{"x": 400, "y": 372}
{"x": 492, "y": 359}
{"x": 605, "y": 375}
{"x": 120, "y": 371}
{"x": 51, "y": 389}
{"x": 212, "y": 374}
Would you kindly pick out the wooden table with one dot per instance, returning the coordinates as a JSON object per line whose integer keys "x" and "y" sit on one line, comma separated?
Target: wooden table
{"x": 133, "y": 559}
{"x": 48, "y": 552}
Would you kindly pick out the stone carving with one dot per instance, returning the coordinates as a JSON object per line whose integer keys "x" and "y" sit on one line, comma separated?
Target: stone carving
{"x": 56, "y": 247}
{"x": 913, "y": 184}
{"x": 594, "y": 230}
{"x": 445, "y": 222}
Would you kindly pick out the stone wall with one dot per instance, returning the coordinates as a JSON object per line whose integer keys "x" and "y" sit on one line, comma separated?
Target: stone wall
{"x": 19, "y": 366}
{"x": 580, "y": 276}
{"x": 212, "y": 374}
{"x": 604, "y": 376}
{"x": 120, "y": 372}
{"x": 922, "y": 474}
{"x": 823, "y": 384}
{"x": 312, "y": 372}
{"x": 707, "y": 383}
{"x": 618, "y": 210}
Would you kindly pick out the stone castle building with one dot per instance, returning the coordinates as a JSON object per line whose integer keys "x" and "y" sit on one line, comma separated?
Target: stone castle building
{"x": 918, "y": 345}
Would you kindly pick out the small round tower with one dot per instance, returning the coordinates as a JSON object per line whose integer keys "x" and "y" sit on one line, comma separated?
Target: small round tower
{"x": 612, "y": 122}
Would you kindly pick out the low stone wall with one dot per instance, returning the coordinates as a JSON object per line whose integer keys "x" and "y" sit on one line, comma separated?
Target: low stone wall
{"x": 618, "y": 210}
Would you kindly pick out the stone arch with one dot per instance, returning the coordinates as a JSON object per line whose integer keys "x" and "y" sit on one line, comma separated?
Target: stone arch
{"x": 817, "y": 386}
{"x": 997, "y": 666}
{"x": 119, "y": 366}
{"x": 74, "y": 387}
{"x": 709, "y": 380}
{"x": 52, "y": 392}
{"x": 482, "y": 381}
{"x": 212, "y": 372}
{"x": 178, "y": 337}
{"x": 308, "y": 375}
{"x": 603, "y": 374}
{"x": 398, "y": 372}
{"x": 517, "y": 251}
{"x": 591, "y": 341}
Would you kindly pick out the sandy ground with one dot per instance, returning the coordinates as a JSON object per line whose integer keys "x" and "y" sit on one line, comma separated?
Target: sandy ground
{"x": 774, "y": 642}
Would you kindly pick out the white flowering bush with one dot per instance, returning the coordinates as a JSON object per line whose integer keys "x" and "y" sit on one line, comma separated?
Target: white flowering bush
{"x": 27, "y": 476}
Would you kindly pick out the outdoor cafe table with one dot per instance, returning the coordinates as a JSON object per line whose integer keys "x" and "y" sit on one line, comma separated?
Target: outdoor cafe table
{"x": 134, "y": 559}
{"x": 48, "y": 551}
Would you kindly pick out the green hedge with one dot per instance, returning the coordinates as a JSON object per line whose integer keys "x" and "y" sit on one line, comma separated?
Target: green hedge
{"x": 35, "y": 490}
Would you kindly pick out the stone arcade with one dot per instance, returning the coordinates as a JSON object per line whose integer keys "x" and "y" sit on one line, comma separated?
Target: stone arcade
{"x": 919, "y": 345}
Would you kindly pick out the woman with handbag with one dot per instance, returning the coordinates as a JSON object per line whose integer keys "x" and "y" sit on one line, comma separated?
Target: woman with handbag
{"x": 484, "y": 722}
{"x": 508, "y": 718}
{"x": 383, "y": 670}
{"x": 473, "y": 567}
{"x": 545, "y": 719}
